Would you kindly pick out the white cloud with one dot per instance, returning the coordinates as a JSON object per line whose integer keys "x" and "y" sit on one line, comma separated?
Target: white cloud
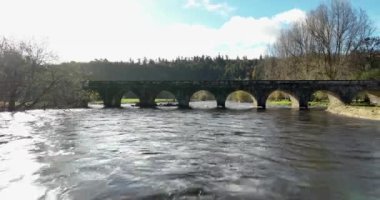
{"x": 89, "y": 29}
{"x": 239, "y": 36}
{"x": 290, "y": 16}
{"x": 220, "y": 8}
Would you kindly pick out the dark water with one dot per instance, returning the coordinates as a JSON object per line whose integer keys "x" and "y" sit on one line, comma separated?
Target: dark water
{"x": 193, "y": 154}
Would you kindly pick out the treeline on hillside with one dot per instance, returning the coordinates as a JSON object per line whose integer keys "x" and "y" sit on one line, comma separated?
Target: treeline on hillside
{"x": 195, "y": 68}
{"x": 335, "y": 41}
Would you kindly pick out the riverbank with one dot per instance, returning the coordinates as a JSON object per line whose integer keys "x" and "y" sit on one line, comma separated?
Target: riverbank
{"x": 363, "y": 112}
{"x": 287, "y": 102}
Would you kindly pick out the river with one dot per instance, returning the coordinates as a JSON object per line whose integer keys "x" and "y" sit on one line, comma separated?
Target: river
{"x": 136, "y": 153}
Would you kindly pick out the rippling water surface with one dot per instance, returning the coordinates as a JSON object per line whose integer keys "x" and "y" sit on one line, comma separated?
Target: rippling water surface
{"x": 136, "y": 153}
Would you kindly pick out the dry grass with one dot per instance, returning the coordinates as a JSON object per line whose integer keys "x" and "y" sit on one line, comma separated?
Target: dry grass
{"x": 364, "y": 112}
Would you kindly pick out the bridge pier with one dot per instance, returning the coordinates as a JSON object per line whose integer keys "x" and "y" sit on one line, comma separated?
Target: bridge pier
{"x": 303, "y": 99}
{"x": 147, "y": 103}
{"x": 261, "y": 102}
{"x": 111, "y": 98}
{"x": 347, "y": 98}
{"x": 221, "y": 101}
{"x": 147, "y": 98}
{"x": 303, "y": 104}
{"x": 183, "y": 98}
{"x": 184, "y": 103}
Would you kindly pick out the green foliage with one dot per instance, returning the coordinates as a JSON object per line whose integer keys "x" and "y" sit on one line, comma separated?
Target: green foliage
{"x": 282, "y": 102}
{"x": 319, "y": 96}
{"x": 24, "y": 76}
{"x": 195, "y": 68}
{"x": 202, "y": 96}
{"x": 129, "y": 101}
{"x": 278, "y": 96}
{"x": 372, "y": 74}
{"x": 135, "y": 100}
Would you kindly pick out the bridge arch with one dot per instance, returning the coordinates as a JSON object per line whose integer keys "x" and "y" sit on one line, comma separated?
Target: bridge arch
{"x": 110, "y": 97}
{"x": 366, "y": 98}
{"x": 129, "y": 98}
{"x": 282, "y": 98}
{"x": 95, "y": 99}
{"x": 203, "y": 99}
{"x": 166, "y": 98}
{"x": 240, "y": 99}
{"x": 325, "y": 98}
{"x": 319, "y": 99}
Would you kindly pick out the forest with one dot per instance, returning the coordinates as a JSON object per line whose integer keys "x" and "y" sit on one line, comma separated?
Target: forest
{"x": 334, "y": 42}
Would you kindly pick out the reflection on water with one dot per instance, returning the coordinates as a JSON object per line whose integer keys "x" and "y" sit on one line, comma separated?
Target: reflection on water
{"x": 229, "y": 104}
{"x": 136, "y": 153}
{"x": 203, "y": 104}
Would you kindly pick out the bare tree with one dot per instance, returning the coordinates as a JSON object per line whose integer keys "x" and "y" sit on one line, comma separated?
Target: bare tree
{"x": 339, "y": 30}
{"x": 22, "y": 69}
{"x": 320, "y": 46}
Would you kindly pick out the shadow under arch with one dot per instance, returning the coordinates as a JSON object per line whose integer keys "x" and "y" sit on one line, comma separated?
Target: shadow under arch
{"x": 129, "y": 99}
{"x": 366, "y": 98}
{"x": 324, "y": 98}
{"x": 165, "y": 98}
{"x": 282, "y": 99}
{"x": 241, "y": 99}
{"x": 203, "y": 99}
{"x": 319, "y": 99}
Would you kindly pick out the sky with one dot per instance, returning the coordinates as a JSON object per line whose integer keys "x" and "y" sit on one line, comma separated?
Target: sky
{"x": 117, "y": 30}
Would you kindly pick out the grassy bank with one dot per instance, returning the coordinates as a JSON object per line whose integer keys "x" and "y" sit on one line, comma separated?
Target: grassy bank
{"x": 282, "y": 102}
{"x": 135, "y": 100}
{"x": 285, "y": 102}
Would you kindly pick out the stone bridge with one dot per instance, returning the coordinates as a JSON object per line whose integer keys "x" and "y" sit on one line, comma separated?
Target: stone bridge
{"x": 300, "y": 91}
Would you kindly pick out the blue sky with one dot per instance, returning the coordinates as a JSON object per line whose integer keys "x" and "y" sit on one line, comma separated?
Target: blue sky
{"x": 173, "y": 10}
{"x": 83, "y": 30}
